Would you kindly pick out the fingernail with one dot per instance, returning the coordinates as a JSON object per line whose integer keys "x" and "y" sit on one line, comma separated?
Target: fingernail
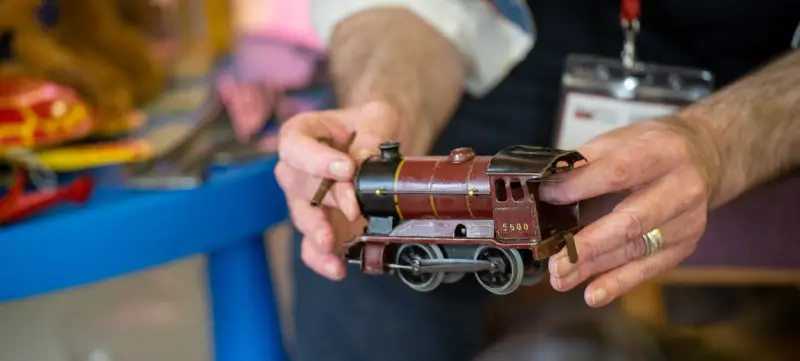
{"x": 563, "y": 268}
{"x": 556, "y": 282}
{"x": 340, "y": 168}
{"x": 596, "y": 297}
{"x": 554, "y": 266}
{"x": 332, "y": 269}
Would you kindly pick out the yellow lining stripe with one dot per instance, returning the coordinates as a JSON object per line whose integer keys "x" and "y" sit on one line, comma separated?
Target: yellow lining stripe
{"x": 469, "y": 177}
{"x": 396, "y": 177}
{"x": 430, "y": 190}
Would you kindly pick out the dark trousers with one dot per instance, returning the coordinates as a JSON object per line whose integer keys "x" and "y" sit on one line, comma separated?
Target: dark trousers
{"x": 378, "y": 318}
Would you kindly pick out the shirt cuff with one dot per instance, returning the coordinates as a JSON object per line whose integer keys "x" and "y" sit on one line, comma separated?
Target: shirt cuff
{"x": 490, "y": 43}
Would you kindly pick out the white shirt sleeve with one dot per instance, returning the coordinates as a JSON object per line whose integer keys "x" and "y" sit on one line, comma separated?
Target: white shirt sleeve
{"x": 491, "y": 44}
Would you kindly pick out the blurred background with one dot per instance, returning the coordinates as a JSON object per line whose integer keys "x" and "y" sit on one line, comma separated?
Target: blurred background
{"x": 162, "y": 314}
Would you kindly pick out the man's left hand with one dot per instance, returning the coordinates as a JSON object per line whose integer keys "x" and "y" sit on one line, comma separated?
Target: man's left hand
{"x": 667, "y": 172}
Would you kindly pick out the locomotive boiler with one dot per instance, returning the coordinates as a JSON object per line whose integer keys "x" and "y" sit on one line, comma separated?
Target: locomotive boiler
{"x": 433, "y": 219}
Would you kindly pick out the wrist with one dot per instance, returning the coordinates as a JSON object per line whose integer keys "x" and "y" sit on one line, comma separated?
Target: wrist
{"x": 707, "y": 151}
{"x": 750, "y": 128}
{"x": 717, "y": 159}
{"x": 393, "y": 57}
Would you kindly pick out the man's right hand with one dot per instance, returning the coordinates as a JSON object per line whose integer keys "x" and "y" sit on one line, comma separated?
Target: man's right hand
{"x": 304, "y": 161}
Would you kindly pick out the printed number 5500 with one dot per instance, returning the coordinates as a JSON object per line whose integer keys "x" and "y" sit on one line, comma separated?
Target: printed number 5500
{"x": 514, "y": 227}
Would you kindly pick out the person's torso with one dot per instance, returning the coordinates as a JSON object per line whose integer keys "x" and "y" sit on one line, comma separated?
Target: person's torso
{"x": 728, "y": 38}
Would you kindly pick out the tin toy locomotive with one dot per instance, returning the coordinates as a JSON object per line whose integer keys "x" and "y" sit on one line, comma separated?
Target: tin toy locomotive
{"x": 435, "y": 219}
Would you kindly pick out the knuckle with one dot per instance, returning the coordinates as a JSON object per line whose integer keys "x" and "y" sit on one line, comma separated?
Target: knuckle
{"x": 306, "y": 253}
{"x": 695, "y": 192}
{"x": 291, "y": 125}
{"x": 618, "y": 175}
{"x": 678, "y": 145}
{"x": 283, "y": 175}
{"x": 286, "y": 131}
{"x": 696, "y": 228}
{"x": 632, "y": 225}
{"x": 588, "y": 269}
{"x": 634, "y": 249}
{"x": 590, "y": 250}
{"x": 297, "y": 218}
{"x": 615, "y": 285}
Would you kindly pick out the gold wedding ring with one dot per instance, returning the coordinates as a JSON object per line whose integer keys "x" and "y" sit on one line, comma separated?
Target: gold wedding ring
{"x": 652, "y": 241}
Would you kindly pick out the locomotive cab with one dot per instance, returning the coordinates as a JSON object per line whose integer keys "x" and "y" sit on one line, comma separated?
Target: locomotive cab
{"x": 516, "y": 173}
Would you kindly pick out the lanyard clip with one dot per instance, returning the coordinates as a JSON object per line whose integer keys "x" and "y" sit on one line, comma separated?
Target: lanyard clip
{"x": 630, "y": 28}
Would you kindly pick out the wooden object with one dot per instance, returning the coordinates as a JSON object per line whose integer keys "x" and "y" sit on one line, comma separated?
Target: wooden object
{"x": 646, "y": 302}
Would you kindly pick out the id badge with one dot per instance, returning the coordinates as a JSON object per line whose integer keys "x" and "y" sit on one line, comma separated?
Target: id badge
{"x": 601, "y": 94}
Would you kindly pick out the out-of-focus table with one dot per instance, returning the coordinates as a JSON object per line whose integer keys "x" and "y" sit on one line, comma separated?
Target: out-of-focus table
{"x": 121, "y": 231}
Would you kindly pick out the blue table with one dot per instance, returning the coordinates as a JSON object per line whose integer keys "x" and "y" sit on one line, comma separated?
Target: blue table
{"x": 122, "y": 231}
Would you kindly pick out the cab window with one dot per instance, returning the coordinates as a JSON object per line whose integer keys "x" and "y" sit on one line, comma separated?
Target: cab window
{"x": 517, "y": 194}
{"x": 500, "y": 190}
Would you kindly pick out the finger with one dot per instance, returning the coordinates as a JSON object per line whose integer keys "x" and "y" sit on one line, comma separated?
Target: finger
{"x": 325, "y": 264}
{"x": 299, "y": 145}
{"x": 636, "y": 215}
{"x": 623, "y": 165}
{"x": 297, "y": 185}
{"x": 313, "y": 224}
{"x": 613, "y": 284}
{"x": 687, "y": 227}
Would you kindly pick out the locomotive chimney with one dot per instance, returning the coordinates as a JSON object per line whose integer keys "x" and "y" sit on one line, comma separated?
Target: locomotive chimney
{"x": 390, "y": 151}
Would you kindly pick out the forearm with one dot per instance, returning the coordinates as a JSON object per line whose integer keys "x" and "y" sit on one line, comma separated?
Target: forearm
{"x": 753, "y": 127}
{"x": 392, "y": 55}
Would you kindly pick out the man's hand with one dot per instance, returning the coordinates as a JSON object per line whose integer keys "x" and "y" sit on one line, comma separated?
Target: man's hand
{"x": 396, "y": 78}
{"x": 676, "y": 170}
{"x": 669, "y": 177}
{"x": 304, "y": 161}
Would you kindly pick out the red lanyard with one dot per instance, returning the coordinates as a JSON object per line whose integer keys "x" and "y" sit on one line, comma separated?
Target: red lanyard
{"x": 630, "y": 10}
{"x": 629, "y": 18}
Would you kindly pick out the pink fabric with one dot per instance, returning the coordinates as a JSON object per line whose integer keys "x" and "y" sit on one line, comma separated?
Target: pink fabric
{"x": 274, "y": 61}
{"x": 249, "y": 105}
{"x": 277, "y": 42}
{"x": 277, "y": 50}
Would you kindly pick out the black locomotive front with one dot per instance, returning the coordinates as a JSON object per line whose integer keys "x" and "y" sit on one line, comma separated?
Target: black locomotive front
{"x": 375, "y": 182}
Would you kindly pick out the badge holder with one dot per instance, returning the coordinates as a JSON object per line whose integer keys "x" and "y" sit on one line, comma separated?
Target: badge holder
{"x": 601, "y": 94}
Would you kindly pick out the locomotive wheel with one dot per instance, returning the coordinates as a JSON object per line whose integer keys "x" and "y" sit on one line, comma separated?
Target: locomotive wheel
{"x": 507, "y": 276}
{"x": 534, "y": 272}
{"x": 407, "y": 254}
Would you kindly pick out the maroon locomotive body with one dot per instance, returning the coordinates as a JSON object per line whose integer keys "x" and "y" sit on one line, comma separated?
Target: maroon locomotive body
{"x": 434, "y": 219}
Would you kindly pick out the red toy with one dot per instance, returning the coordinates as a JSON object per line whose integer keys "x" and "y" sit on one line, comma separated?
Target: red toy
{"x": 35, "y": 113}
{"x": 18, "y": 204}
{"x": 434, "y": 219}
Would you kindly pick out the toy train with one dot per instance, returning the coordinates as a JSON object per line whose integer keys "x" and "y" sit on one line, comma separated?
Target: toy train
{"x": 433, "y": 219}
